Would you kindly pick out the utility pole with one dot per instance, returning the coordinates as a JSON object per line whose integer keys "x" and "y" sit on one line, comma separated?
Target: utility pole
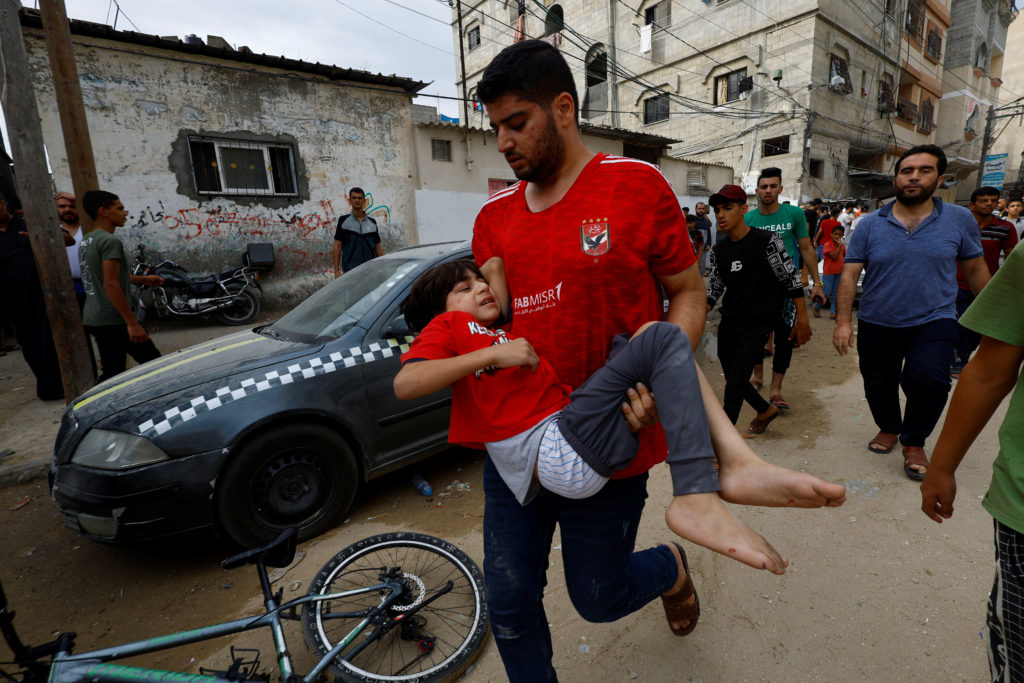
{"x": 986, "y": 142}
{"x": 68, "y": 90}
{"x": 26, "y": 135}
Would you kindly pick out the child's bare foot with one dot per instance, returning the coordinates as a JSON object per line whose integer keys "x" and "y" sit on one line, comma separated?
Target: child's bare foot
{"x": 703, "y": 519}
{"x": 749, "y": 480}
{"x": 682, "y": 606}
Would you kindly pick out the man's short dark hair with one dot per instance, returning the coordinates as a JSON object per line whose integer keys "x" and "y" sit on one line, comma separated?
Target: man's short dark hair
{"x": 356, "y": 189}
{"x": 1015, "y": 199}
{"x": 816, "y": 201}
{"x": 839, "y": 227}
{"x": 94, "y": 200}
{"x": 770, "y": 172}
{"x": 934, "y": 150}
{"x": 533, "y": 70}
{"x": 429, "y": 294}
{"x": 985, "y": 191}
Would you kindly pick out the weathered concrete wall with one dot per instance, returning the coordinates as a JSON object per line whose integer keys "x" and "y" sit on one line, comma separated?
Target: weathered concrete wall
{"x": 142, "y": 103}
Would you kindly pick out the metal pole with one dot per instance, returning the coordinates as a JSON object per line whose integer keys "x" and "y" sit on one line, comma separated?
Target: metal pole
{"x": 462, "y": 63}
{"x": 986, "y": 141}
{"x": 26, "y": 135}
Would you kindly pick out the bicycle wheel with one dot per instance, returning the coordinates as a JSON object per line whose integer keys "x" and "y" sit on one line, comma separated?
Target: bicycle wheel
{"x": 436, "y": 642}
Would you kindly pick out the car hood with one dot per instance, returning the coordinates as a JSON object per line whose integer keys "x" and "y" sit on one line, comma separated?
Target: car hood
{"x": 229, "y": 355}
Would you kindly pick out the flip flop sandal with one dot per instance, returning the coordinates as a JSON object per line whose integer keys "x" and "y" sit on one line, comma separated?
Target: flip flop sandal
{"x": 758, "y": 425}
{"x": 778, "y": 402}
{"x": 915, "y": 455}
{"x": 676, "y": 607}
{"x": 883, "y": 442}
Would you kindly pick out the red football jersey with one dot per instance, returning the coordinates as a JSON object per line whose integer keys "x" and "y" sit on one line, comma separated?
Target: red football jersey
{"x": 585, "y": 269}
{"x": 488, "y": 405}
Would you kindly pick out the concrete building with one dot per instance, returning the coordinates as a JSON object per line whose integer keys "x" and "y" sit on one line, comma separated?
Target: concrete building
{"x": 459, "y": 167}
{"x": 210, "y": 147}
{"x": 974, "y": 60}
{"x": 1009, "y": 134}
{"x": 831, "y": 92}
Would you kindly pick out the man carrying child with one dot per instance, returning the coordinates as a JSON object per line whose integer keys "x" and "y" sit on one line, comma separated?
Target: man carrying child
{"x": 584, "y": 265}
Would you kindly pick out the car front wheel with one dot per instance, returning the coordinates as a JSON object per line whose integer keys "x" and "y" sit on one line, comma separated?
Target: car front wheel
{"x": 302, "y": 475}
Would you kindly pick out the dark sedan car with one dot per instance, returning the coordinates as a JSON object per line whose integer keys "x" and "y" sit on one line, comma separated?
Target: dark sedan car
{"x": 258, "y": 430}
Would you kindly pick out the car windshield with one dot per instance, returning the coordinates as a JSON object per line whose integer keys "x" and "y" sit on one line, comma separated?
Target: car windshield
{"x": 340, "y": 304}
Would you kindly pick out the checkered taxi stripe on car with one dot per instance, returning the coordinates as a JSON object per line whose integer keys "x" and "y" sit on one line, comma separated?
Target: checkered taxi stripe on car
{"x": 296, "y": 372}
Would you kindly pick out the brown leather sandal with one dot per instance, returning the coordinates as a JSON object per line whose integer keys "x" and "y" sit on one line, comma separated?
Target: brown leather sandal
{"x": 914, "y": 456}
{"x": 758, "y": 425}
{"x": 677, "y": 605}
{"x": 883, "y": 442}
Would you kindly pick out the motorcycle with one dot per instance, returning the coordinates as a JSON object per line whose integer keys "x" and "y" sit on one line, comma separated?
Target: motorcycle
{"x": 233, "y": 295}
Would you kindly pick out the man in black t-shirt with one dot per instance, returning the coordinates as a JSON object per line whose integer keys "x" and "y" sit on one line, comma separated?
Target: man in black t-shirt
{"x": 755, "y": 273}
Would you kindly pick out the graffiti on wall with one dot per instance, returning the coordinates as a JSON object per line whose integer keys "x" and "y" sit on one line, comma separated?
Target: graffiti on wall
{"x": 215, "y": 233}
{"x": 219, "y": 221}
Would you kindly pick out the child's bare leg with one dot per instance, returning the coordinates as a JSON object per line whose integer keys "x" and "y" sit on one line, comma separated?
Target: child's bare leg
{"x": 749, "y": 480}
{"x": 702, "y": 518}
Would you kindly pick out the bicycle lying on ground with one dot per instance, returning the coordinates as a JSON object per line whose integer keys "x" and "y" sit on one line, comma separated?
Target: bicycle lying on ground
{"x": 395, "y": 607}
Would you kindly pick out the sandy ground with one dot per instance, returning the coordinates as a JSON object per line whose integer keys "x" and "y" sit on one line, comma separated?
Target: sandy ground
{"x": 875, "y": 590}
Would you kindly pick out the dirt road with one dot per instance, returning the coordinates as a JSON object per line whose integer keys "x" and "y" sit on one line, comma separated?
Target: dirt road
{"x": 875, "y": 590}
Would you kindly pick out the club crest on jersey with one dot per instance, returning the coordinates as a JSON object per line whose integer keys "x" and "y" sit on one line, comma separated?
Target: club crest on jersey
{"x": 595, "y": 238}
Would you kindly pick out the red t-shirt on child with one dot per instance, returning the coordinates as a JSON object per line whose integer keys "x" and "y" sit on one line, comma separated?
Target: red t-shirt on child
{"x": 488, "y": 405}
{"x": 830, "y": 266}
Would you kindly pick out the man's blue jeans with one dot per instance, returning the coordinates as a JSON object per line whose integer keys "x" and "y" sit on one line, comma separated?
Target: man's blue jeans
{"x": 605, "y": 579}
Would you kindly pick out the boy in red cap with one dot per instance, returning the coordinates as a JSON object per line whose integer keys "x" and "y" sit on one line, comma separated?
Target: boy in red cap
{"x": 756, "y": 274}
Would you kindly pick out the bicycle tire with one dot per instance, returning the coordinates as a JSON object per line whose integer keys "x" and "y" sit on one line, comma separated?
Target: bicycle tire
{"x": 458, "y": 619}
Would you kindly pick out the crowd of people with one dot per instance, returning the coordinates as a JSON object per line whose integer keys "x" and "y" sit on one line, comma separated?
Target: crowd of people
{"x": 570, "y": 421}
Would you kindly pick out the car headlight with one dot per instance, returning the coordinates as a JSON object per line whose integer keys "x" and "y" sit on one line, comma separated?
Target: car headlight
{"x": 111, "y": 450}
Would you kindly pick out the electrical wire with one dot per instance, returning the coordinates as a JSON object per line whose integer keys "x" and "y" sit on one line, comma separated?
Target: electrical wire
{"x": 392, "y": 28}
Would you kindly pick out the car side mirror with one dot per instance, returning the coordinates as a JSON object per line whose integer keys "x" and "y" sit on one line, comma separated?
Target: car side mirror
{"x": 396, "y": 328}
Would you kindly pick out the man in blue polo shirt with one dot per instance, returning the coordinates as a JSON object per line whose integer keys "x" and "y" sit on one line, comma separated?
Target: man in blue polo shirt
{"x": 906, "y": 323}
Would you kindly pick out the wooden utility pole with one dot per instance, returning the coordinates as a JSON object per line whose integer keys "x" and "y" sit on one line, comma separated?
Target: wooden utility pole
{"x": 33, "y": 180}
{"x": 68, "y": 90}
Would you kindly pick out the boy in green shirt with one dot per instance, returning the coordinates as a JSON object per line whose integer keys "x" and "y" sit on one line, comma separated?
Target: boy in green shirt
{"x": 106, "y": 278}
{"x": 998, "y": 314}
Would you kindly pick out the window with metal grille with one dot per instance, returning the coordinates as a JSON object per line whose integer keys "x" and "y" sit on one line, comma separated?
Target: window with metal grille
{"x": 730, "y": 86}
{"x": 656, "y": 108}
{"x": 934, "y": 44}
{"x": 839, "y": 67}
{"x": 925, "y": 122}
{"x": 242, "y": 167}
{"x": 886, "y": 95}
{"x": 915, "y": 18}
{"x": 659, "y": 18}
{"x": 440, "y": 150}
{"x": 472, "y": 37}
{"x": 695, "y": 176}
{"x": 775, "y": 146}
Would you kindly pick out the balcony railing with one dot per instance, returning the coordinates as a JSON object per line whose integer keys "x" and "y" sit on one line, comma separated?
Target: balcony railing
{"x": 906, "y": 111}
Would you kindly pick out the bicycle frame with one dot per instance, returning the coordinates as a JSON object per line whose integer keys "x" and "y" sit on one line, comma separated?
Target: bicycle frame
{"x": 95, "y": 665}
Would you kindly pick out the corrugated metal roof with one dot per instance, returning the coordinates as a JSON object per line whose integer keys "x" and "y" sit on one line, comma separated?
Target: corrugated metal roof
{"x": 585, "y": 128}
{"x": 33, "y": 19}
